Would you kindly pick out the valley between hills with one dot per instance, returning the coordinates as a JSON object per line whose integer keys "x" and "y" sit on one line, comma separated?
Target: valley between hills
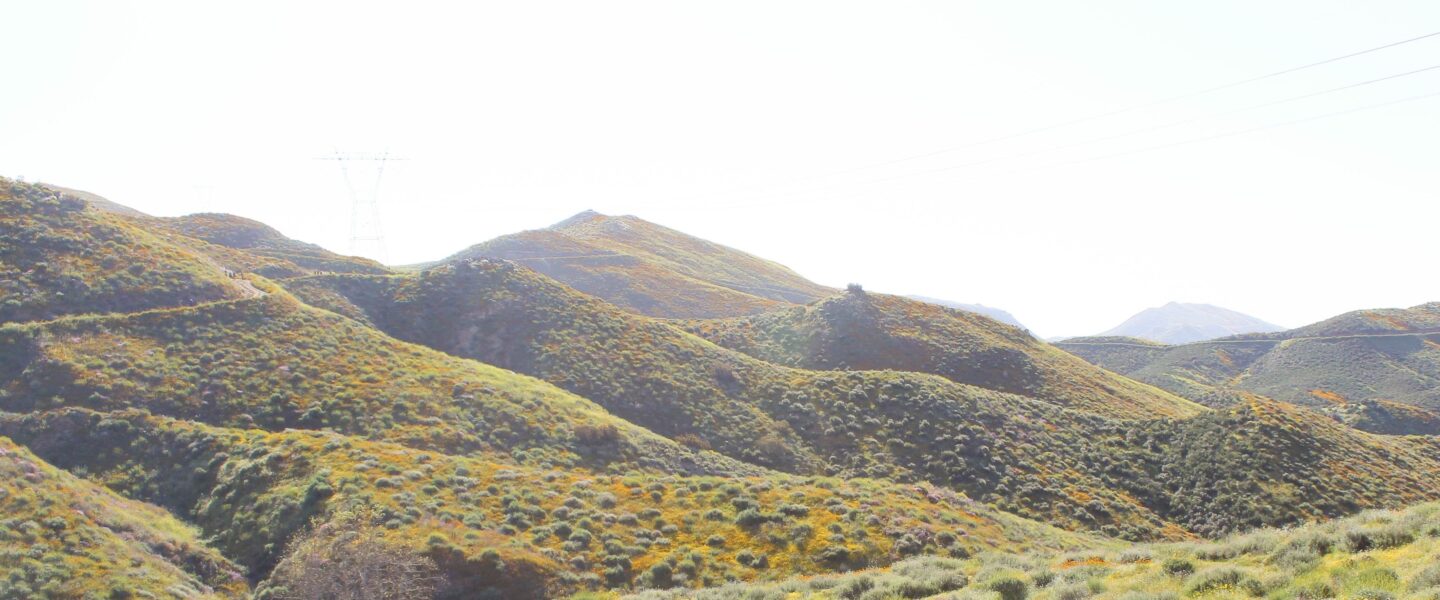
{"x": 201, "y": 407}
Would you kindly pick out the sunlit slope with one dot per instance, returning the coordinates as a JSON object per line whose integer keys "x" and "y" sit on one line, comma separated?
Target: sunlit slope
{"x": 64, "y": 537}
{"x": 1378, "y": 554}
{"x": 1365, "y": 357}
{"x": 649, "y": 269}
{"x": 60, "y": 257}
{"x": 519, "y": 531}
{"x": 273, "y": 362}
{"x": 866, "y": 331}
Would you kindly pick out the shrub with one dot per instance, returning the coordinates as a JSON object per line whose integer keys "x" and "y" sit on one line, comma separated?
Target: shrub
{"x": 1224, "y": 578}
{"x": 1177, "y": 567}
{"x": 1009, "y": 588}
{"x": 1318, "y": 590}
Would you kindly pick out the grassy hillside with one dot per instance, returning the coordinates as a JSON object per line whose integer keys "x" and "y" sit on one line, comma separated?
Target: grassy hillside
{"x": 273, "y": 362}
{"x": 1364, "y": 358}
{"x": 1035, "y": 458}
{"x": 1378, "y": 554}
{"x": 514, "y": 531}
{"x": 859, "y": 330}
{"x": 59, "y": 257}
{"x": 877, "y": 424}
{"x": 64, "y": 537}
{"x": 649, "y": 269}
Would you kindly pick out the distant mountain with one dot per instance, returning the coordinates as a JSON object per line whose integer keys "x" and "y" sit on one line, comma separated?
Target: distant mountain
{"x": 989, "y": 311}
{"x": 1356, "y": 366}
{"x": 649, "y": 269}
{"x": 1180, "y": 323}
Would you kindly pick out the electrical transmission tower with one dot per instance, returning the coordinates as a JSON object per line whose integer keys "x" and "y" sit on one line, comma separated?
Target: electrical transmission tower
{"x": 367, "y": 238}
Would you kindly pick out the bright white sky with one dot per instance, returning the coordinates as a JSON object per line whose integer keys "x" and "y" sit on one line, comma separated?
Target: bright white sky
{"x": 748, "y": 123}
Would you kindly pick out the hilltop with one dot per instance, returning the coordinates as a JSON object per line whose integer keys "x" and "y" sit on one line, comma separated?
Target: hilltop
{"x": 1358, "y": 362}
{"x": 61, "y": 257}
{"x": 649, "y": 269}
{"x": 1179, "y": 323}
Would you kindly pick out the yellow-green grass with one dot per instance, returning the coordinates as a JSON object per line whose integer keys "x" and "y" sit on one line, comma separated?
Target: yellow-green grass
{"x": 59, "y": 257}
{"x": 553, "y": 529}
{"x": 273, "y": 362}
{"x": 64, "y": 537}
{"x": 1377, "y": 554}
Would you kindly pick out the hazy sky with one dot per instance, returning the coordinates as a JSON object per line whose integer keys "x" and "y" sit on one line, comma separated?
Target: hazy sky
{"x": 760, "y": 125}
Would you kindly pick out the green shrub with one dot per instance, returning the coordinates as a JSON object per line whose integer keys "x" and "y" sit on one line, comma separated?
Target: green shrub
{"x": 1009, "y": 588}
{"x": 1177, "y": 567}
{"x": 1219, "y": 578}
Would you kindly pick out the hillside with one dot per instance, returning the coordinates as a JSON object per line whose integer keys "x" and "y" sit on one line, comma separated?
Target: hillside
{"x": 866, "y": 331}
{"x": 59, "y": 257}
{"x": 274, "y": 363}
{"x": 1363, "y": 357}
{"x": 649, "y": 269}
{"x": 840, "y": 423}
{"x": 1180, "y": 323}
{"x": 1379, "y": 554}
{"x": 65, "y": 537}
{"x": 988, "y": 311}
{"x": 519, "y": 532}
{"x": 1032, "y": 457}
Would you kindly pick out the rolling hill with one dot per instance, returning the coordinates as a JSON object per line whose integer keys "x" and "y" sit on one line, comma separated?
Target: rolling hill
{"x": 60, "y": 257}
{"x": 839, "y": 423}
{"x": 1043, "y": 459}
{"x": 866, "y": 331}
{"x": 1360, "y": 362}
{"x": 1180, "y": 323}
{"x": 649, "y": 269}
{"x": 512, "y": 531}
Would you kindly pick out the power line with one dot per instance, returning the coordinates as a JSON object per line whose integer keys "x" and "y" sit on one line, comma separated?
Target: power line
{"x": 1085, "y": 119}
{"x": 1154, "y": 103}
{"x": 1184, "y": 142}
{"x": 1247, "y": 131}
{"x": 1153, "y": 128}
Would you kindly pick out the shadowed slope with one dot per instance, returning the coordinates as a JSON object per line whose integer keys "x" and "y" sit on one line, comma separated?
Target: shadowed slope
{"x": 859, "y": 330}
